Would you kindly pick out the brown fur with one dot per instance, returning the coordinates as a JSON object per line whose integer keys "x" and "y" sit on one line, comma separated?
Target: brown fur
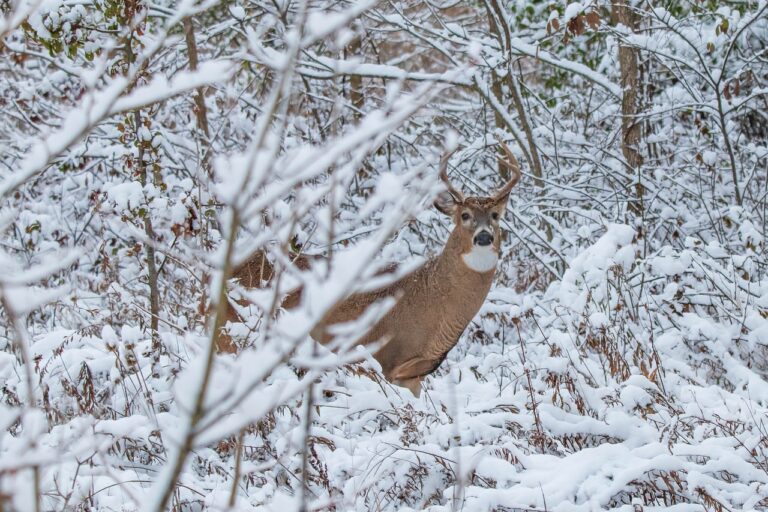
{"x": 252, "y": 274}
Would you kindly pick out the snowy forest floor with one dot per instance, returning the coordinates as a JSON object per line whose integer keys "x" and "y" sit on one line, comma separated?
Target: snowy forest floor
{"x": 572, "y": 399}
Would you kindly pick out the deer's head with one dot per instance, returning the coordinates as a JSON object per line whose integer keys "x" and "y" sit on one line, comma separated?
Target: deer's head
{"x": 477, "y": 218}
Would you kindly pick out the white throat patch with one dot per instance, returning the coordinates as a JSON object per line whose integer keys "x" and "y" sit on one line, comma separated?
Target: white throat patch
{"x": 481, "y": 258}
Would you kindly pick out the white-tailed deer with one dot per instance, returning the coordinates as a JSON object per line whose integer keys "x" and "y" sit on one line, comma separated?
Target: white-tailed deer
{"x": 436, "y": 302}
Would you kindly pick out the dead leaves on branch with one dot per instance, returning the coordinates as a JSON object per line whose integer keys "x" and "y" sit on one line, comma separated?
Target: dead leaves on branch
{"x": 575, "y": 26}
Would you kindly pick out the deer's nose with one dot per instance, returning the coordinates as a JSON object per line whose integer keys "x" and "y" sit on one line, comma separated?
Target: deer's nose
{"x": 483, "y": 238}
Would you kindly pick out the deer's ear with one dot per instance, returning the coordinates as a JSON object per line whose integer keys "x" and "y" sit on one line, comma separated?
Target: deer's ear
{"x": 446, "y": 203}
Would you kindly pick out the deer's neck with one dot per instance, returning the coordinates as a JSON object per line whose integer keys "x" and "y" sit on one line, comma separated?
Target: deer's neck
{"x": 456, "y": 294}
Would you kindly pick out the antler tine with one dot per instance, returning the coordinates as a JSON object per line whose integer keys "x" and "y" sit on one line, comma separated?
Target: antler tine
{"x": 514, "y": 170}
{"x": 456, "y": 193}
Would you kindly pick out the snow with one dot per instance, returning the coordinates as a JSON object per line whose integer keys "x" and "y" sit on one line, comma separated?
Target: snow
{"x": 618, "y": 361}
{"x": 709, "y": 157}
{"x": 161, "y": 87}
{"x": 524, "y": 48}
{"x": 237, "y": 12}
{"x": 573, "y": 10}
{"x": 126, "y": 196}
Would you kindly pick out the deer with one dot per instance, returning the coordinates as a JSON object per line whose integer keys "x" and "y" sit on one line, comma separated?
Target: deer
{"x": 434, "y": 303}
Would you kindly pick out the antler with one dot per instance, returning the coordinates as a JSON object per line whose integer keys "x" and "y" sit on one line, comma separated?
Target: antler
{"x": 514, "y": 170}
{"x": 456, "y": 193}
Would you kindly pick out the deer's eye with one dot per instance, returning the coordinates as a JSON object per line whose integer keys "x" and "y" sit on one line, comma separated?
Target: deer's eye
{"x": 495, "y": 216}
{"x": 465, "y": 216}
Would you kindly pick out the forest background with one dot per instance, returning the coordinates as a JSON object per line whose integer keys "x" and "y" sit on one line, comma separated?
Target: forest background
{"x": 620, "y": 361}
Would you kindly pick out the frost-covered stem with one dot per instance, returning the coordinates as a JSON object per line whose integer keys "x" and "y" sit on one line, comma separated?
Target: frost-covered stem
{"x": 500, "y": 28}
{"x": 526, "y": 124}
{"x": 170, "y": 476}
{"x": 201, "y": 117}
{"x": 305, "y": 454}
{"x": 487, "y": 93}
{"x": 715, "y": 83}
{"x": 311, "y": 388}
{"x": 459, "y": 488}
{"x": 154, "y": 290}
{"x": 495, "y": 11}
{"x": 719, "y": 91}
{"x": 23, "y": 342}
{"x": 198, "y": 410}
{"x": 496, "y": 90}
{"x": 238, "y": 469}
{"x": 728, "y": 145}
{"x": 36, "y": 487}
{"x": 154, "y": 293}
{"x": 534, "y": 405}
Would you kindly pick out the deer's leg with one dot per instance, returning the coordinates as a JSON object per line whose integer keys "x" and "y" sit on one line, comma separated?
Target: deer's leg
{"x": 411, "y": 372}
{"x": 412, "y": 384}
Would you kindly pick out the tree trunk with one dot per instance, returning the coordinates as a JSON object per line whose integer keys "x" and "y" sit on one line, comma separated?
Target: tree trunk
{"x": 631, "y": 132}
{"x": 496, "y": 16}
{"x": 152, "y": 275}
{"x": 508, "y": 84}
{"x": 353, "y": 49}
{"x": 201, "y": 112}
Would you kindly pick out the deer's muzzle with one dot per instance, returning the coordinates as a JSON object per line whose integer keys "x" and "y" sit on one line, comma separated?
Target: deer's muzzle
{"x": 483, "y": 238}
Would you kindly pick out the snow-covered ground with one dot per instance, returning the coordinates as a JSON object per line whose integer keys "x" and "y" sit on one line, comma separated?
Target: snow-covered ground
{"x": 611, "y": 388}
{"x": 620, "y": 361}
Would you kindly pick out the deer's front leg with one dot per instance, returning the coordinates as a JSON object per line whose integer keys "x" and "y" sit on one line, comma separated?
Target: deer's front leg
{"x": 412, "y": 384}
{"x": 411, "y": 372}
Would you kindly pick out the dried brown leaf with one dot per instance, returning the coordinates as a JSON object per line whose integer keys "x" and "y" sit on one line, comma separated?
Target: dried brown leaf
{"x": 576, "y": 25}
{"x": 593, "y": 19}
